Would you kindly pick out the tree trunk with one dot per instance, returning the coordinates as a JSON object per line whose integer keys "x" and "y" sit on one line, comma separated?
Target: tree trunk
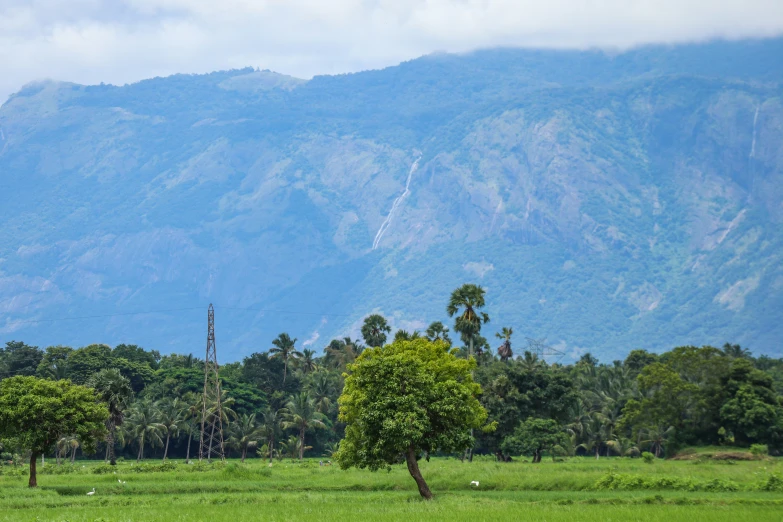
{"x": 73, "y": 455}
{"x": 110, "y": 445}
{"x": 166, "y": 451}
{"x": 597, "y": 447}
{"x": 470, "y": 450}
{"x": 33, "y": 483}
{"x": 413, "y": 469}
{"x": 301, "y": 444}
{"x": 285, "y": 370}
{"x": 187, "y": 454}
{"x": 244, "y": 454}
{"x": 271, "y": 448}
{"x": 141, "y": 449}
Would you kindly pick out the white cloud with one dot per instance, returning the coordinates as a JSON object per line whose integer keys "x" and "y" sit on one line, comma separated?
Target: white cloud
{"x": 119, "y": 41}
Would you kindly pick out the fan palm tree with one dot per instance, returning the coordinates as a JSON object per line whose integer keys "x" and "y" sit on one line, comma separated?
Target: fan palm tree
{"x": 735, "y": 351}
{"x": 115, "y": 391}
{"x": 171, "y": 415}
{"x": 466, "y": 303}
{"x": 144, "y": 425}
{"x": 271, "y": 427}
{"x": 436, "y": 331}
{"x": 244, "y": 434}
{"x": 504, "y": 350}
{"x": 658, "y": 437}
{"x": 306, "y": 362}
{"x": 302, "y": 415}
{"x": 74, "y": 443}
{"x": 374, "y": 330}
{"x": 285, "y": 349}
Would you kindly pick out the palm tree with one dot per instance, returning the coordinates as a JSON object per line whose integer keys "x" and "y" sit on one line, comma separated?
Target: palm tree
{"x": 404, "y": 335}
{"x": 596, "y": 435}
{"x": 302, "y": 415}
{"x": 244, "y": 434}
{"x": 657, "y": 437}
{"x": 466, "y": 302}
{"x": 292, "y": 447}
{"x": 322, "y": 389}
{"x": 144, "y": 425}
{"x": 622, "y": 446}
{"x": 306, "y": 362}
{"x": 530, "y": 361}
{"x": 191, "y": 428}
{"x": 284, "y": 348}
{"x": 504, "y": 350}
{"x": 271, "y": 427}
{"x": 171, "y": 415}
{"x": 735, "y": 351}
{"x": 115, "y": 390}
{"x": 436, "y": 331}
{"x": 342, "y": 352}
{"x": 374, "y": 330}
{"x": 74, "y": 443}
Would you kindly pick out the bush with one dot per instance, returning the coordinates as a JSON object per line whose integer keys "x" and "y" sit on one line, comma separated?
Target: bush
{"x": 773, "y": 483}
{"x": 759, "y": 450}
{"x": 154, "y": 468}
{"x": 104, "y": 469}
{"x": 648, "y": 457}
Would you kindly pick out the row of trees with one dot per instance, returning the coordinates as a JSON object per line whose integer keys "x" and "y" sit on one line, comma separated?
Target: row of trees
{"x": 284, "y": 401}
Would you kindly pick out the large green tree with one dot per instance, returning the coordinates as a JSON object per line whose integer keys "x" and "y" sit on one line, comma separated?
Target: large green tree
{"x": 35, "y": 413}
{"x": 17, "y": 358}
{"x": 115, "y": 391}
{"x": 534, "y": 436}
{"x": 408, "y": 398}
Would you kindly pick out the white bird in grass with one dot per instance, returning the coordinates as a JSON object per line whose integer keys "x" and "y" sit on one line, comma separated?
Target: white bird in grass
{"x": 474, "y": 483}
{"x": 91, "y": 493}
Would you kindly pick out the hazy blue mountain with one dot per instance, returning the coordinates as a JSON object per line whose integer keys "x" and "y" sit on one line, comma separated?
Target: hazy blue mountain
{"x": 607, "y": 202}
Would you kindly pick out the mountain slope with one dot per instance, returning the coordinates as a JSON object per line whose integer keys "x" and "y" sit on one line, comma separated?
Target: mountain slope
{"x": 606, "y": 202}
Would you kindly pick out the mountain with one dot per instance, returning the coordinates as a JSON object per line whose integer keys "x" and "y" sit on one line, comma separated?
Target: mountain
{"x": 606, "y": 201}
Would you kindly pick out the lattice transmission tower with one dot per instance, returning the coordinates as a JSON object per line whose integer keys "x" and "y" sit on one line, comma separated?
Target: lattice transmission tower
{"x": 543, "y": 350}
{"x": 212, "y": 410}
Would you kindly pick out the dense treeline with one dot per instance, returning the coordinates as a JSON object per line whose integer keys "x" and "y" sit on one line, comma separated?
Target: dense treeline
{"x": 284, "y": 401}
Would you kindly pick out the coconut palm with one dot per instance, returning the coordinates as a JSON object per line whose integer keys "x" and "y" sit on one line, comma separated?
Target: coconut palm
{"x": 115, "y": 391}
{"x": 171, "y": 415}
{"x": 735, "y": 351}
{"x": 144, "y": 425}
{"x": 322, "y": 388}
{"x": 374, "y": 330}
{"x": 191, "y": 428}
{"x": 285, "y": 349}
{"x": 306, "y": 362}
{"x": 657, "y": 437}
{"x": 530, "y": 361}
{"x": 436, "y": 331}
{"x": 244, "y": 434}
{"x": 302, "y": 415}
{"x": 504, "y": 350}
{"x": 596, "y": 434}
{"x": 291, "y": 447}
{"x": 271, "y": 427}
{"x": 342, "y": 352}
{"x": 466, "y": 303}
{"x": 622, "y": 446}
{"x": 404, "y": 335}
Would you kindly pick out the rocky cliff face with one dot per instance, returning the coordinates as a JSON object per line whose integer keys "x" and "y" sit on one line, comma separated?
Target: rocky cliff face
{"x": 607, "y": 203}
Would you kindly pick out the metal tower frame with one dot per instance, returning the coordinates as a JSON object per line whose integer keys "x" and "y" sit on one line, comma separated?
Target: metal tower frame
{"x": 212, "y": 410}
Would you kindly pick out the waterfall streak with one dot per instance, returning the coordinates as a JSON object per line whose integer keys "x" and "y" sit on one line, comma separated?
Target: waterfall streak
{"x": 753, "y": 143}
{"x": 387, "y": 221}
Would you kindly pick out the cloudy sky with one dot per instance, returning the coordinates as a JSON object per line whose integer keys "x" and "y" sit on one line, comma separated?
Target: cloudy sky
{"x": 120, "y": 41}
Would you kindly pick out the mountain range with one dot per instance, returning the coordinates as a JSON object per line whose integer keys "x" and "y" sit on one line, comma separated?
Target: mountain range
{"x": 606, "y": 201}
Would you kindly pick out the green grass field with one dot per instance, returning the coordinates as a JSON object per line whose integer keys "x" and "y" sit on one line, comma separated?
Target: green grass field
{"x": 578, "y": 489}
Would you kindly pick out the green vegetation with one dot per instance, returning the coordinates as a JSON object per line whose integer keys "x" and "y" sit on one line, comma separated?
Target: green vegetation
{"x": 583, "y": 488}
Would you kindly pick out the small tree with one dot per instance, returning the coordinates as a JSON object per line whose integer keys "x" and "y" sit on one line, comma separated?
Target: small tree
{"x": 35, "y": 412}
{"x": 535, "y": 436}
{"x": 374, "y": 330}
{"x": 404, "y": 400}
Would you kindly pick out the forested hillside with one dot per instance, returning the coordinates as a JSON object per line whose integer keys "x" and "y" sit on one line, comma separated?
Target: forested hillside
{"x": 606, "y": 202}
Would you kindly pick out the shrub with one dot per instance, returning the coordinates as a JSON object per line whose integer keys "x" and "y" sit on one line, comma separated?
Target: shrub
{"x": 154, "y": 468}
{"x": 773, "y": 483}
{"x": 104, "y": 469}
{"x": 648, "y": 457}
{"x": 759, "y": 450}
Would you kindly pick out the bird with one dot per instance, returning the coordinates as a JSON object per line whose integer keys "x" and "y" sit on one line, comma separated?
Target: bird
{"x": 474, "y": 483}
{"x": 91, "y": 493}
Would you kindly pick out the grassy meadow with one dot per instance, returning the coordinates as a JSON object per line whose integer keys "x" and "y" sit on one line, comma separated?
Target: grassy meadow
{"x": 577, "y": 489}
